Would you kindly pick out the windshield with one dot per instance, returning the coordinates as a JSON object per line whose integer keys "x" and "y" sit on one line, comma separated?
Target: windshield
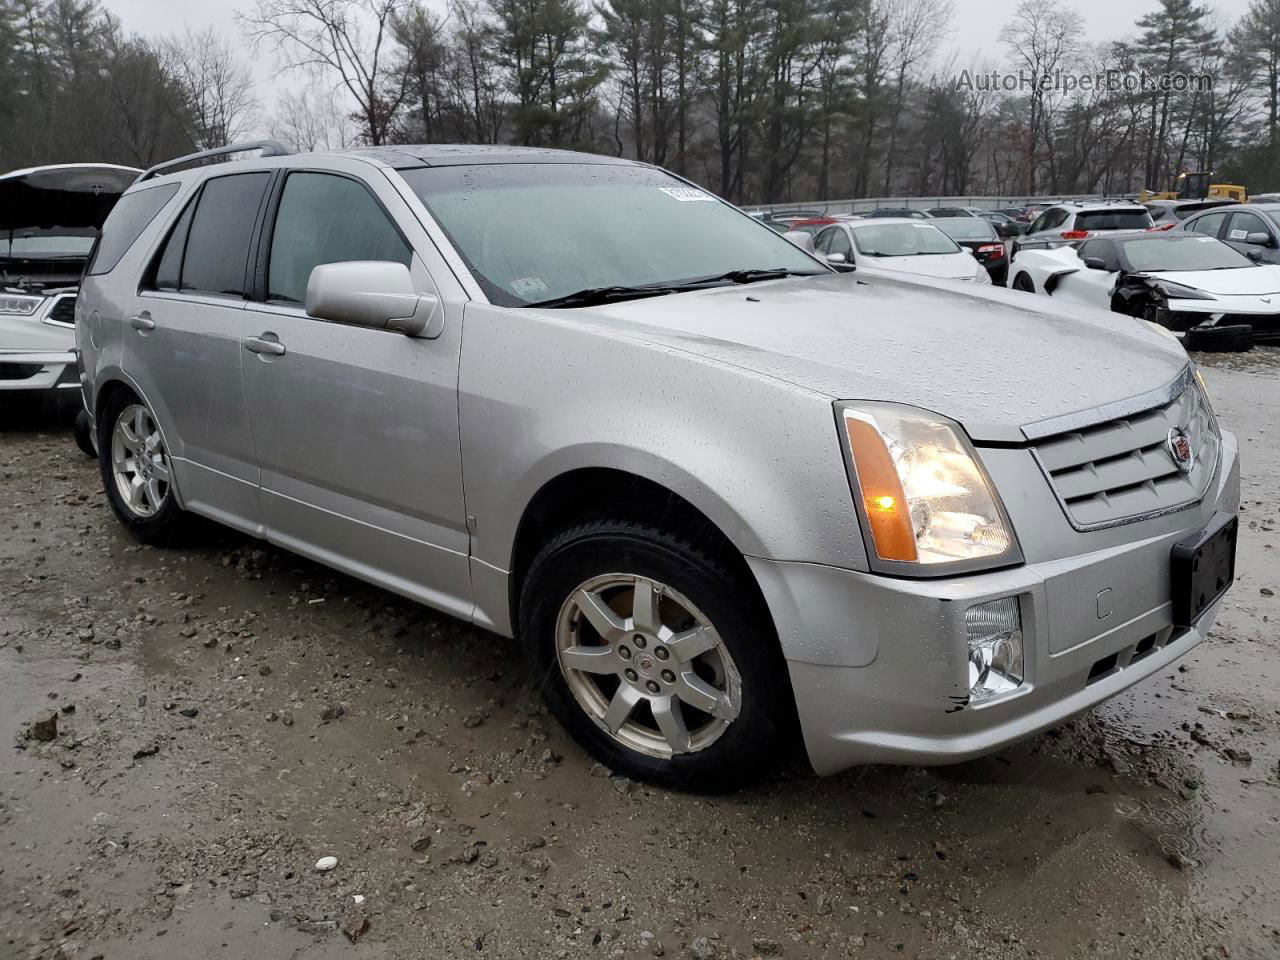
{"x": 1131, "y": 219}
{"x": 41, "y": 245}
{"x": 902, "y": 240}
{"x": 1182, "y": 253}
{"x": 532, "y": 232}
{"x": 970, "y": 229}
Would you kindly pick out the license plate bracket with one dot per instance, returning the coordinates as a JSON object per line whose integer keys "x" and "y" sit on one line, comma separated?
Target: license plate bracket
{"x": 1204, "y": 568}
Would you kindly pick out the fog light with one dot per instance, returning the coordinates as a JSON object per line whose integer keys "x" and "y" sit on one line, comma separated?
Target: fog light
{"x": 995, "y": 648}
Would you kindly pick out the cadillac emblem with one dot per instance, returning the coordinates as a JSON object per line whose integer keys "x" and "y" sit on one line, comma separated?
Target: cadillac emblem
{"x": 1180, "y": 449}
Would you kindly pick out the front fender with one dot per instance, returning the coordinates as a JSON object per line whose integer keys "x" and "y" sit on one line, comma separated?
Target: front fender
{"x": 538, "y": 398}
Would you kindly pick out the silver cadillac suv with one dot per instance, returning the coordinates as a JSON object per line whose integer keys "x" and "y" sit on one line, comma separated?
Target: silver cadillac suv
{"x": 722, "y": 495}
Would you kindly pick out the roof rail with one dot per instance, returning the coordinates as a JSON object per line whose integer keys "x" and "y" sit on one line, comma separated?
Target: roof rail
{"x": 269, "y": 148}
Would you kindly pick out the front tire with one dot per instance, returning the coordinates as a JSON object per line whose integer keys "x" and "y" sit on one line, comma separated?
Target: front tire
{"x": 656, "y": 657}
{"x": 137, "y": 472}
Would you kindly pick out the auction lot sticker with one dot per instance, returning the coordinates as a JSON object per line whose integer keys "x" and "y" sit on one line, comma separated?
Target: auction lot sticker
{"x": 687, "y": 194}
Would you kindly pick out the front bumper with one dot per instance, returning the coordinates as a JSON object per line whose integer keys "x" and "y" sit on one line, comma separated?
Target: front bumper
{"x": 879, "y": 665}
{"x": 38, "y": 370}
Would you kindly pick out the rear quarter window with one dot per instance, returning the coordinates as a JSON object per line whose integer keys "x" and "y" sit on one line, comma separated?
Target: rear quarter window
{"x": 131, "y": 215}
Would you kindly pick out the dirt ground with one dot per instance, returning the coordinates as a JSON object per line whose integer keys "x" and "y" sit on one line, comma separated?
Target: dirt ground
{"x": 227, "y": 714}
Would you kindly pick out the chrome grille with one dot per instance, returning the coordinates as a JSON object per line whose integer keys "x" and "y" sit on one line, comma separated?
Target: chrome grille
{"x": 1123, "y": 469}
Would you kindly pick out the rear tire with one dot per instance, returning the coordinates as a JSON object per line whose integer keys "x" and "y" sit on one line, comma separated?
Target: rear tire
{"x": 1023, "y": 282}
{"x": 83, "y": 432}
{"x": 137, "y": 472}
{"x": 629, "y": 626}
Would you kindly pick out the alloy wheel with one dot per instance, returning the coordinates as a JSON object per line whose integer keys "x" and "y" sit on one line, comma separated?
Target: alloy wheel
{"x": 139, "y": 462}
{"x": 646, "y": 665}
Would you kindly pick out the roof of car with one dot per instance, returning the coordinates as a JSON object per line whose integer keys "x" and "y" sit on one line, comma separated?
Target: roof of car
{"x": 402, "y": 156}
{"x": 1090, "y": 205}
{"x": 890, "y": 221}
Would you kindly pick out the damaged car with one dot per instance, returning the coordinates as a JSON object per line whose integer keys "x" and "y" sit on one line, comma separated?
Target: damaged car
{"x": 49, "y": 220}
{"x": 1211, "y": 295}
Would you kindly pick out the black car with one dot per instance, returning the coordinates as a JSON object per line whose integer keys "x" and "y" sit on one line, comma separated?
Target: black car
{"x": 978, "y": 237}
{"x": 1005, "y": 225}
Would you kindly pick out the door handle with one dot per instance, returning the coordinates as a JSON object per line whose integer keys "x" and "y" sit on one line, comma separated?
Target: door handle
{"x": 264, "y": 346}
{"x": 142, "y": 322}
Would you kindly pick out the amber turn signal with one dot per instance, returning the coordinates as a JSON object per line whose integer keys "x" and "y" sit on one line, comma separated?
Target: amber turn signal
{"x": 882, "y": 495}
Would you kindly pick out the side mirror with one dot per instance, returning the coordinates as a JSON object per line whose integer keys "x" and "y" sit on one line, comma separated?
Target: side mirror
{"x": 373, "y": 293}
{"x": 1095, "y": 263}
{"x": 1259, "y": 238}
{"x": 837, "y": 258}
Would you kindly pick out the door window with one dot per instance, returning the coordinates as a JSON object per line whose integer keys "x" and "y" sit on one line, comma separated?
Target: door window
{"x": 840, "y": 244}
{"x": 1210, "y": 223}
{"x": 1243, "y": 224}
{"x": 327, "y": 219}
{"x": 217, "y": 243}
{"x": 823, "y": 243}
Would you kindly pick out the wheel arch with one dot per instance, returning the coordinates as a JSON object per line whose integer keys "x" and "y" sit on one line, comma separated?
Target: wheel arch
{"x": 115, "y": 383}
{"x": 583, "y": 494}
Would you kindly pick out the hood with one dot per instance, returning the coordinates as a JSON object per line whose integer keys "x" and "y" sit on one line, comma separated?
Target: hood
{"x": 1258, "y": 281}
{"x": 992, "y": 359}
{"x": 65, "y": 195}
{"x": 947, "y": 266}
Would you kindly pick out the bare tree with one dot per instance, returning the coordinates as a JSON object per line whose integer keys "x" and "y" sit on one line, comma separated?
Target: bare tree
{"x": 350, "y": 38}
{"x": 917, "y": 27}
{"x": 1044, "y": 38}
{"x": 219, "y": 103}
{"x": 311, "y": 117}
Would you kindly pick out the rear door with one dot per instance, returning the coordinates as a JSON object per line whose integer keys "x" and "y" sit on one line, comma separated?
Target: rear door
{"x": 356, "y": 429}
{"x": 182, "y": 346}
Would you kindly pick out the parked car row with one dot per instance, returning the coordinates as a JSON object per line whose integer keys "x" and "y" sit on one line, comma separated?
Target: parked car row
{"x": 724, "y": 493}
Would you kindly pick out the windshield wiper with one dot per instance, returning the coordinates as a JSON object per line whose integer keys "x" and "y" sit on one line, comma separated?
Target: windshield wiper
{"x": 745, "y": 276}
{"x": 594, "y": 296}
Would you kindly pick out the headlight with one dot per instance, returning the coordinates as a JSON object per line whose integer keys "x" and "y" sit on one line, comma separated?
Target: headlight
{"x": 923, "y": 496}
{"x": 11, "y": 303}
{"x": 1176, "y": 291}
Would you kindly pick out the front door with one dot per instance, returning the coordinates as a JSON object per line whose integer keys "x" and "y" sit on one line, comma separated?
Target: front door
{"x": 356, "y": 429}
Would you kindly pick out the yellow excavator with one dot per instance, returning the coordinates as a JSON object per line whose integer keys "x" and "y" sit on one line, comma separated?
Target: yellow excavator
{"x": 1195, "y": 185}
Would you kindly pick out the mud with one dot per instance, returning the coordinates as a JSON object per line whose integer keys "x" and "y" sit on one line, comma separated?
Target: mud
{"x": 227, "y": 714}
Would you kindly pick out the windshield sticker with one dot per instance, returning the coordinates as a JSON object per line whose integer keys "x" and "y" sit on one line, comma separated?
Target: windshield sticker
{"x": 1239, "y": 234}
{"x": 687, "y": 194}
{"x": 527, "y": 286}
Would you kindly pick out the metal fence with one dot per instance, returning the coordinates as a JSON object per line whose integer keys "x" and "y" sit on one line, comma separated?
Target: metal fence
{"x": 867, "y": 204}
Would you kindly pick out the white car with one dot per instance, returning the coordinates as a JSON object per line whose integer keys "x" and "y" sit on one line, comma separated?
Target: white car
{"x": 1191, "y": 284}
{"x": 49, "y": 219}
{"x": 899, "y": 246}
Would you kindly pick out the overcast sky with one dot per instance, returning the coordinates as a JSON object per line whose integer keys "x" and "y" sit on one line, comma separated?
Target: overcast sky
{"x": 974, "y": 34}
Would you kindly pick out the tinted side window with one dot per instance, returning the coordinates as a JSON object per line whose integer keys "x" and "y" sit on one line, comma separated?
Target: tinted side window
{"x": 221, "y": 229}
{"x": 326, "y": 219}
{"x": 168, "y": 275}
{"x": 131, "y": 215}
{"x": 823, "y": 242}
